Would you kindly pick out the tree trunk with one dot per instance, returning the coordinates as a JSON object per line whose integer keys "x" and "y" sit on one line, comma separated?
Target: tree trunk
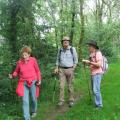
{"x": 61, "y": 17}
{"x": 13, "y": 29}
{"x": 99, "y": 13}
{"x": 82, "y": 30}
{"x": 72, "y": 21}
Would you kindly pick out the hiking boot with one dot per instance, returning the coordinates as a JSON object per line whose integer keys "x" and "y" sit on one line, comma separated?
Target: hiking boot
{"x": 33, "y": 114}
{"x": 98, "y": 107}
{"x": 60, "y": 103}
{"x": 71, "y": 104}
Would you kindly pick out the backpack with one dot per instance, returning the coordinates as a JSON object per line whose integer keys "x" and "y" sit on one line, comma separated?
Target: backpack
{"x": 104, "y": 64}
{"x": 71, "y": 50}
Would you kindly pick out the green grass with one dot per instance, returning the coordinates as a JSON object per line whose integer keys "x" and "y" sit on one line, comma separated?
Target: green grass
{"x": 83, "y": 109}
{"x": 110, "y": 88}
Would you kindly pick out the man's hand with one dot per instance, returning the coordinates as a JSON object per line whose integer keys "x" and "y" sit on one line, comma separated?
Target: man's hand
{"x": 10, "y": 76}
{"x": 74, "y": 66}
{"x": 86, "y": 61}
{"x": 56, "y": 70}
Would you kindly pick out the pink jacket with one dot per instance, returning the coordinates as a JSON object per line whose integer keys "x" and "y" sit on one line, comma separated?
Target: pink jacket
{"x": 27, "y": 72}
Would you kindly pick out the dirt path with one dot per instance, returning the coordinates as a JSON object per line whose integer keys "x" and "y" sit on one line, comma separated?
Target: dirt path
{"x": 61, "y": 110}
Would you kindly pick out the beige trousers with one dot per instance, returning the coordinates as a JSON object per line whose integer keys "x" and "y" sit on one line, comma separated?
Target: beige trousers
{"x": 66, "y": 75}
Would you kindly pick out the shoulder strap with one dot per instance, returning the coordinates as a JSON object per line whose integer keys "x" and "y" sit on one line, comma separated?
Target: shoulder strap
{"x": 102, "y": 67}
{"x": 71, "y": 50}
{"x": 59, "y": 54}
{"x": 95, "y": 56}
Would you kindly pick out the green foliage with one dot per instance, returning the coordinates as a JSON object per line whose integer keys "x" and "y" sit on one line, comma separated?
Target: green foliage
{"x": 41, "y": 24}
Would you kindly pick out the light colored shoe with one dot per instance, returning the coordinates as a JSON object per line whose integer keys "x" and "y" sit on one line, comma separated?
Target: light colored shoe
{"x": 98, "y": 108}
{"x": 33, "y": 115}
{"x": 71, "y": 104}
{"x": 61, "y": 103}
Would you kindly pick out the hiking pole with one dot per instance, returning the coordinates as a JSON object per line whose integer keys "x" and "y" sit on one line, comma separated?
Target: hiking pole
{"x": 88, "y": 85}
{"x": 54, "y": 88}
{"x": 13, "y": 65}
{"x": 12, "y": 84}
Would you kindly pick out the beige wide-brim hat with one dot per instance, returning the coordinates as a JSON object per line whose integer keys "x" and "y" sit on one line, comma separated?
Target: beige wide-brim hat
{"x": 65, "y": 39}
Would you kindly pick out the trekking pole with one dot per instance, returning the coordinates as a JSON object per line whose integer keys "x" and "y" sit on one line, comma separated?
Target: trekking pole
{"x": 88, "y": 85}
{"x": 54, "y": 88}
{"x": 12, "y": 85}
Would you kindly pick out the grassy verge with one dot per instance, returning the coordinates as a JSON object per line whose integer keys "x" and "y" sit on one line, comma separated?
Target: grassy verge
{"x": 84, "y": 109}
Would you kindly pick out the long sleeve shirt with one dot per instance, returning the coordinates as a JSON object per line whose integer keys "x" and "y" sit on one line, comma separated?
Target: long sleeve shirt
{"x": 65, "y": 58}
{"x": 27, "y": 72}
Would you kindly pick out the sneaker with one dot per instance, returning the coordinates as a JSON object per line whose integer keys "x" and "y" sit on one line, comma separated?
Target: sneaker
{"x": 33, "y": 115}
{"x": 60, "y": 103}
{"x": 98, "y": 107}
{"x": 71, "y": 104}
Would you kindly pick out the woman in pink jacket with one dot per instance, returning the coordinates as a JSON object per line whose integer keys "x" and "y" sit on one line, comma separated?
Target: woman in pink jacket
{"x": 29, "y": 75}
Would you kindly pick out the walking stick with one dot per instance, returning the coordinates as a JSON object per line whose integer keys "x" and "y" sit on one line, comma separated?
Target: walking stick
{"x": 54, "y": 88}
{"x": 88, "y": 85}
{"x": 12, "y": 85}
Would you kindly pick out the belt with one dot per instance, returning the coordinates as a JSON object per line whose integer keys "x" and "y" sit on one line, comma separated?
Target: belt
{"x": 66, "y": 67}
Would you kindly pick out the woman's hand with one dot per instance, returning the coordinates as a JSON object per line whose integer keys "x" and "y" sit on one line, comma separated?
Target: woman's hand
{"x": 10, "y": 76}
{"x": 38, "y": 83}
{"x": 96, "y": 64}
{"x": 86, "y": 61}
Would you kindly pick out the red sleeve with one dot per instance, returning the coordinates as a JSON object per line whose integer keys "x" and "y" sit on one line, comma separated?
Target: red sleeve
{"x": 17, "y": 69}
{"x": 37, "y": 70}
